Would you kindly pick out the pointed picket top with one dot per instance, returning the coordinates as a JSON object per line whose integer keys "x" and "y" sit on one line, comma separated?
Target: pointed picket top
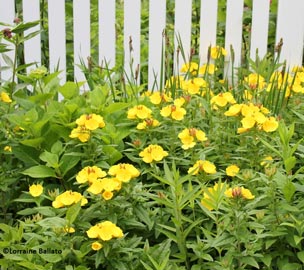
{"x": 290, "y": 28}
{"x": 233, "y": 35}
{"x": 32, "y": 47}
{"x": 208, "y": 27}
{"x": 82, "y": 37}
{"x": 157, "y": 25}
{"x": 7, "y": 15}
{"x": 259, "y": 28}
{"x": 132, "y": 40}
{"x": 107, "y": 35}
{"x": 182, "y": 30}
{"x": 57, "y": 37}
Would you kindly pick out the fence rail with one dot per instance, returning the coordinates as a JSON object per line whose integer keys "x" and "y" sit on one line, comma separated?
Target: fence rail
{"x": 289, "y": 27}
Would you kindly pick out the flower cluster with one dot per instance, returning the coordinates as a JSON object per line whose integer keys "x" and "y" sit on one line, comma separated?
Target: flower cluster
{"x": 222, "y": 99}
{"x": 85, "y": 125}
{"x": 153, "y": 152}
{"x": 105, "y": 231}
{"x": 175, "y": 110}
{"x": 69, "y": 198}
{"x": 253, "y": 116}
{"x": 100, "y": 184}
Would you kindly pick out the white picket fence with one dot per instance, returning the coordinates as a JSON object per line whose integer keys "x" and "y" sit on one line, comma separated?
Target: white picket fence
{"x": 290, "y": 27}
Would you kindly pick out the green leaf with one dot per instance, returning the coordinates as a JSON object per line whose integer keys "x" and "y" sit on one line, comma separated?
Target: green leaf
{"x": 112, "y": 155}
{"x": 24, "y": 26}
{"x": 114, "y": 107}
{"x": 289, "y": 163}
{"x": 250, "y": 261}
{"x": 73, "y": 212}
{"x": 69, "y": 90}
{"x": 32, "y": 266}
{"x": 39, "y": 171}
{"x": 67, "y": 162}
{"x": 300, "y": 255}
{"x": 288, "y": 190}
{"x": 50, "y": 159}
{"x": 33, "y": 142}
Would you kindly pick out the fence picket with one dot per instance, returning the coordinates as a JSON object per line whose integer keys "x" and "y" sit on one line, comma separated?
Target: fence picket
{"x": 233, "y": 35}
{"x": 208, "y": 26}
{"x": 259, "y": 29}
{"x": 32, "y": 47}
{"x": 290, "y": 27}
{"x": 107, "y": 38}
{"x": 132, "y": 39}
{"x": 7, "y": 15}
{"x": 182, "y": 29}
{"x": 57, "y": 37}
{"x": 157, "y": 24}
{"x": 82, "y": 44}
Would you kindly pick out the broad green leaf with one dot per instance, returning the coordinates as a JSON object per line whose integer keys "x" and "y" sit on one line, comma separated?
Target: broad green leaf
{"x": 288, "y": 191}
{"x": 69, "y": 90}
{"x": 40, "y": 171}
{"x": 31, "y": 266}
{"x": 73, "y": 212}
{"x": 289, "y": 163}
{"x": 300, "y": 255}
{"x": 50, "y": 159}
{"x": 33, "y": 142}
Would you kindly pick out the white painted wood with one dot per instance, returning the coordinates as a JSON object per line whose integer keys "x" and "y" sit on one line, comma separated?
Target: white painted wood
{"x": 82, "y": 37}
{"x": 7, "y": 15}
{"x": 233, "y": 35}
{"x": 132, "y": 39}
{"x": 182, "y": 29}
{"x": 208, "y": 27}
{"x": 259, "y": 28}
{"x": 157, "y": 24}
{"x": 32, "y": 47}
{"x": 290, "y": 27}
{"x": 57, "y": 37}
{"x": 107, "y": 37}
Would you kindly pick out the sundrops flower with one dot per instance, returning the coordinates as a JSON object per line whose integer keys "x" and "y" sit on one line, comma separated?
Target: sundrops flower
{"x": 157, "y": 97}
{"x": 217, "y": 52}
{"x": 270, "y": 125}
{"x": 148, "y": 123}
{"x": 194, "y": 86}
{"x": 209, "y": 68}
{"x": 189, "y": 137}
{"x": 7, "y": 148}
{"x": 173, "y": 111}
{"x": 90, "y": 174}
{"x": 191, "y": 67}
{"x": 222, "y": 100}
{"x": 105, "y": 185}
{"x": 36, "y": 190}
{"x": 202, "y": 166}
{"x": 139, "y": 112}
{"x": 124, "y": 172}
{"x": 81, "y": 133}
{"x": 255, "y": 81}
{"x": 96, "y": 246}
{"x": 152, "y": 153}
{"x": 239, "y": 192}
{"x": 266, "y": 161}
{"x": 232, "y": 170}
{"x": 68, "y": 198}
{"x": 105, "y": 231}
{"x": 5, "y": 97}
{"x": 90, "y": 121}
{"x": 67, "y": 229}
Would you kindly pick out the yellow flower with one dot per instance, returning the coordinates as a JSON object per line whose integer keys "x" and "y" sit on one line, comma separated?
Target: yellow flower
{"x": 152, "y": 153}
{"x": 139, "y": 111}
{"x": 68, "y": 198}
{"x": 191, "y": 67}
{"x": 209, "y": 68}
{"x": 202, "y": 166}
{"x": 5, "y": 97}
{"x": 188, "y": 136}
{"x": 107, "y": 195}
{"x": 248, "y": 122}
{"x": 96, "y": 246}
{"x": 255, "y": 81}
{"x": 239, "y": 192}
{"x": 105, "y": 231}
{"x": 90, "y": 174}
{"x": 90, "y": 121}
{"x": 176, "y": 112}
{"x": 68, "y": 229}
{"x": 266, "y": 161}
{"x": 217, "y": 52}
{"x": 158, "y": 97}
{"x": 36, "y": 190}
{"x": 234, "y": 110}
{"x": 270, "y": 125}
{"x": 213, "y": 196}
{"x": 104, "y": 184}
{"x": 81, "y": 133}
{"x": 232, "y": 170}
{"x": 124, "y": 172}
{"x": 7, "y": 148}
{"x": 194, "y": 86}
{"x": 148, "y": 123}
{"x": 223, "y": 99}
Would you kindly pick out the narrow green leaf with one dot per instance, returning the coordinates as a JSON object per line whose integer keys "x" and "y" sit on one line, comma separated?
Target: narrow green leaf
{"x": 40, "y": 171}
{"x": 73, "y": 212}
